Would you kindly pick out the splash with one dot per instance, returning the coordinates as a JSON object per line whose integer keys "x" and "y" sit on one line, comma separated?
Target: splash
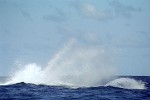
{"x": 127, "y": 83}
{"x": 74, "y": 65}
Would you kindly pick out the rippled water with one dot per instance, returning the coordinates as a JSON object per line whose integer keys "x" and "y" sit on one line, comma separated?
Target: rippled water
{"x": 116, "y": 91}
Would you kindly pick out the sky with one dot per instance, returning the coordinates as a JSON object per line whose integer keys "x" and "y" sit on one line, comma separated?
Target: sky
{"x": 35, "y": 30}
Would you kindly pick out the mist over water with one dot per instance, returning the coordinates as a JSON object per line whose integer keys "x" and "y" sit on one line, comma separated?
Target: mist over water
{"x": 75, "y": 65}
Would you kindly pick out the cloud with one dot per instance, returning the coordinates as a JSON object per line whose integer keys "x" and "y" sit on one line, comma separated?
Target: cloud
{"x": 145, "y": 34}
{"x": 122, "y": 10}
{"x": 24, "y": 12}
{"x": 92, "y": 37}
{"x": 138, "y": 40}
{"x": 115, "y": 9}
{"x": 90, "y": 11}
{"x": 56, "y": 15}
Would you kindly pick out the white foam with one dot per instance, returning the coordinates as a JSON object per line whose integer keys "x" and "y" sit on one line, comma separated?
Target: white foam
{"x": 127, "y": 83}
{"x": 29, "y": 73}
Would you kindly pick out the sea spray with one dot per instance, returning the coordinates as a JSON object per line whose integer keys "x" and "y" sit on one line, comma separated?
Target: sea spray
{"x": 127, "y": 83}
{"x": 74, "y": 65}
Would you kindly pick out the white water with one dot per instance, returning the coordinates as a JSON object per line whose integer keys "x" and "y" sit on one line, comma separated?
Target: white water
{"x": 127, "y": 83}
{"x": 75, "y": 65}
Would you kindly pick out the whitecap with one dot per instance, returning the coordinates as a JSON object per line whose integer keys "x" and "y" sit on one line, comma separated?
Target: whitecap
{"x": 127, "y": 83}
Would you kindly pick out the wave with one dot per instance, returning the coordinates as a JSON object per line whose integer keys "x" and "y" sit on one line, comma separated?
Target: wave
{"x": 127, "y": 83}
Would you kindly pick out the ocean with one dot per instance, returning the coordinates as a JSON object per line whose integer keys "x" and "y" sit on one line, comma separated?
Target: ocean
{"x": 73, "y": 73}
{"x": 121, "y": 88}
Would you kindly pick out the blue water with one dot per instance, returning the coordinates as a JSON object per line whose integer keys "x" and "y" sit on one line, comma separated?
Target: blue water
{"x": 27, "y": 91}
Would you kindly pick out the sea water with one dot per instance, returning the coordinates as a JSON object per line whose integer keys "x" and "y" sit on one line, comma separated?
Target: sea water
{"x": 122, "y": 88}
